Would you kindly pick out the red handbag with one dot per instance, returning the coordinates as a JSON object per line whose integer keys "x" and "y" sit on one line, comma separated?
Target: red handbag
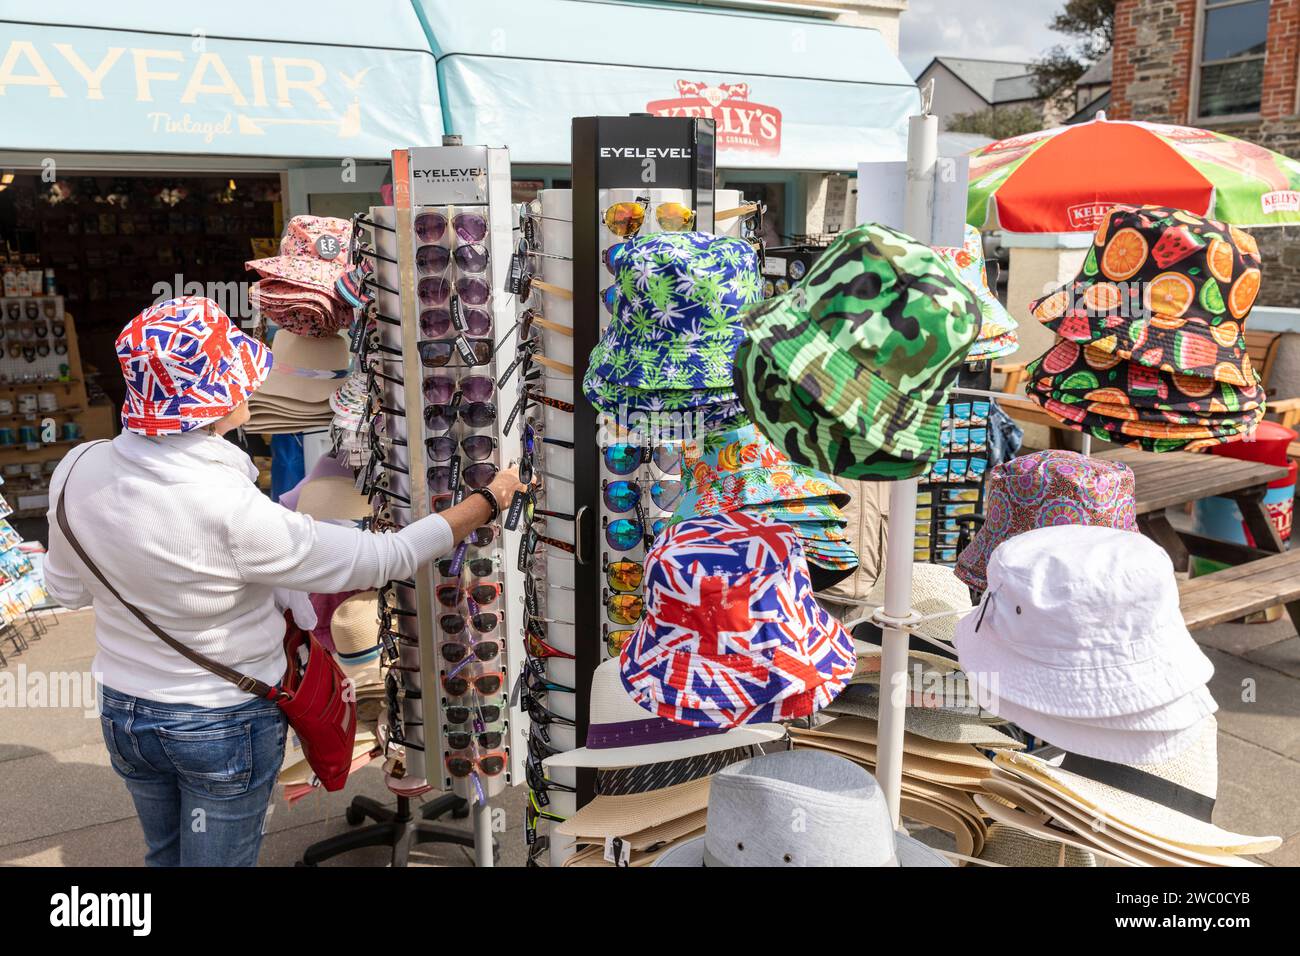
{"x": 313, "y": 693}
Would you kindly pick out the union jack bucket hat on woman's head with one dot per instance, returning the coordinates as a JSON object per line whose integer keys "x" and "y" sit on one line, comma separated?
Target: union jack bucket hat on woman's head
{"x": 733, "y": 634}
{"x": 186, "y": 365}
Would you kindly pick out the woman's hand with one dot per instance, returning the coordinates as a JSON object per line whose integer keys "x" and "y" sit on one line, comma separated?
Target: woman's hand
{"x": 504, "y": 486}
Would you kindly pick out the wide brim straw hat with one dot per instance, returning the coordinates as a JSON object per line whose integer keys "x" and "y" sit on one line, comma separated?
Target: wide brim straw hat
{"x": 594, "y": 856}
{"x": 935, "y": 590}
{"x": 606, "y": 816}
{"x": 332, "y": 499}
{"x": 939, "y": 725}
{"x": 622, "y": 734}
{"x": 865, "y": 731}
{"x": 1150, "y": 736}
{"x": 670, "y": 831}
{"x": 926, "y": 769}
{"x": 1009, "y": 846}
{"x": 1194, "y": 773}
{"x": 308, "y": 368}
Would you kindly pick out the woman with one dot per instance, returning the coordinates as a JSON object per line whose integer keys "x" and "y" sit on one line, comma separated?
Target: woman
{"x": 170, "y": 512}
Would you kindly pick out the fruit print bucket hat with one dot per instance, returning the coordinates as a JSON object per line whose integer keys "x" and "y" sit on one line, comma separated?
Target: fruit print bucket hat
{"x": 1165, "y": 288}
{"x": 186, "y": 365}
{"x": 849, "y": 371}
{"x": 1043, "y": 489}
{"x": 997, "y": 335}
{"x": 732, "y": 634}
{"x": 676, "y": 326}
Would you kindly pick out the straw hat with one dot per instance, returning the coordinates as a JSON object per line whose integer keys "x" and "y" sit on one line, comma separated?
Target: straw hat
{"x": 935, "y": 589}
{"x": 606, "y": 817}
{"x": 354, "y": 627}
{"x": 621, "y": 734}
{"x": 966, "y": 830}
{"x": 332, "y": 499}
{"x": 844, "y": 818}
{"x": 670, "y": 831}
{"x": 1081, "y": 622}
{"x": 927, "y": 769}
{"x": 308, "y": 368}
{"x": 862, "y": 730}
{"x": 1008, "y": 846}
{"x": 862, "y": 700}
{"x": 1169, "y": 802}
{"x": 595, "y": 855}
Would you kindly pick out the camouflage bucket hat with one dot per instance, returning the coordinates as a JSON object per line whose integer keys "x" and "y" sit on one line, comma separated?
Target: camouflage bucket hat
{"x": 849, "y": 371}
{"x": 677, "y": 302}
{"x": 1165, "y": 288}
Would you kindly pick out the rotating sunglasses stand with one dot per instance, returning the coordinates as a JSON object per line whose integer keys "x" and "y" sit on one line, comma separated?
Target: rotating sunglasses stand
{"x": 446, "y": 197}
{"x": 615, "y": 159}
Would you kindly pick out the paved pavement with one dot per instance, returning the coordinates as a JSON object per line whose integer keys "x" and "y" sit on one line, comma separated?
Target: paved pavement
{"x": 66, "y": 807}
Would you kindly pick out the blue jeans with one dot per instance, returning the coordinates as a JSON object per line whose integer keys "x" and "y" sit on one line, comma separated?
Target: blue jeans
{"x": 201, "y": 777}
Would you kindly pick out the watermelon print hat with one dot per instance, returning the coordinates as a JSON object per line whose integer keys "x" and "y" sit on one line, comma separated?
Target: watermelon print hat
{"x": 677, "y": 309}
{"x": 997, "y": 336}
{"x": 848, "y": 372}
{"x": 1164, "y": 288}
{"x": 732, "y": 633}
{"x": 1047, "y": 488}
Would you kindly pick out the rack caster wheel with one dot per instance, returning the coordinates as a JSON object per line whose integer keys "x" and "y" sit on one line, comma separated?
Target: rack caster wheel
{"x": 354, "y": 816}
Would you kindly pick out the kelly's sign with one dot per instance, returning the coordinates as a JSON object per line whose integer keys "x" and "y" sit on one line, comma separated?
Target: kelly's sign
{"x": 742, "y": 125}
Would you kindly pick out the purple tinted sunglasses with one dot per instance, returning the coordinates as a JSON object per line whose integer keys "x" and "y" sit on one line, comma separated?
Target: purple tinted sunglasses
{"x": 475, "y": 447}
{"x": 438, "y": 389}
{"x": 432, "y": 226}
{"x": 435, "y": 290}
{"x": 479, "y": 475}
{"x": 435, "y": 323}
{"x": 469, "y": 258}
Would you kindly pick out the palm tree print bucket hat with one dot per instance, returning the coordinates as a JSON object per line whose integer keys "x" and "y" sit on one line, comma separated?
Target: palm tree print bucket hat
{"x": 676, "y": 303}
{"x": 849, "y": 371}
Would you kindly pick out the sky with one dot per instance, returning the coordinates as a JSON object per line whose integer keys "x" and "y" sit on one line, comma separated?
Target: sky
{"x": 984, "y": 29}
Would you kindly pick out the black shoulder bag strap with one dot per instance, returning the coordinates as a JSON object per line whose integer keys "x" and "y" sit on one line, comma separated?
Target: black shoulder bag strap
{"x": 242, "y": 681}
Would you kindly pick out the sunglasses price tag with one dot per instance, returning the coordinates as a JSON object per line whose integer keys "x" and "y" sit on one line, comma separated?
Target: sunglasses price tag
{"x": 537, "y": 666}
{"x": 457, "y": 317}
{"x": 357, "y": 338}
{"x": 541, "y": 797}
{"x": 457, "y": 559}
{"x": 515, "y": 275}
{"x": 516, "y": 510}
{"x": 466, "y": 352}
{"x": 526, "y": 545}
{"x": 618, "y": 851}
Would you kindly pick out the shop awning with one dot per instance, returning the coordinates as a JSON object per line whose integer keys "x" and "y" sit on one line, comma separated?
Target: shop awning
{"x": 325, "y": 79}
{"x": 786, "y": 92}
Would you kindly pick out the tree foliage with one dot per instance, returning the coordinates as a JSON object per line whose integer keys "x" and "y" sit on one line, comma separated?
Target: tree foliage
{"x": 1091, "y": 24}
{"x": 997, "y": 123}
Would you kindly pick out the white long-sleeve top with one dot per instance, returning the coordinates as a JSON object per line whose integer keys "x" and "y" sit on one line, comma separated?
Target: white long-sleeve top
{"x": 178, "y": 525}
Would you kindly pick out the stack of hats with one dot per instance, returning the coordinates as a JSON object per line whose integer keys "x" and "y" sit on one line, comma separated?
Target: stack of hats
{"x": 652, "y": 776}
{"x": 732, "y": 633}
{"x": 676, "y": 302}
{"x": 849, "y": 371}
{"x": 1043, "y": 489}
{"x": 842, "y": 814}
{"x": 296, "y": 397}
{"x": 997, "y": 335}
{"x": 740, "y": 469}
{"x": 1079, "y": 640}
{"x": 1151, "y": 349}
{"x": 349, "y": 429}
{"x": 354, "y": 627}
{"x": 297, "y": 290}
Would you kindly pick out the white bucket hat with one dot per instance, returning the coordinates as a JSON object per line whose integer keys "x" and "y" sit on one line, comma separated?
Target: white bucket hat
{"x": 1167, "y": 804}
{"x": 1081, "y": 622}
{"x": 623, "y": 734}
{"x": 845, "y": 819}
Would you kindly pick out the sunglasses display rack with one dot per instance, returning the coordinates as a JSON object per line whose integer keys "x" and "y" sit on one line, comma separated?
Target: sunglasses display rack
{"x": 443, "y": 313}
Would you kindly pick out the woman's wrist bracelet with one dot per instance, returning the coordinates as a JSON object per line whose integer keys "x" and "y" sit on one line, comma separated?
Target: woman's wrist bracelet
{"x": 492, "y": 503}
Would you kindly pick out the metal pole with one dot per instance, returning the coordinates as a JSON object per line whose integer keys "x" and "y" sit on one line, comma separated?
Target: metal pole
{"x": 918, "y": 206}
{"x": 482, "y": 816}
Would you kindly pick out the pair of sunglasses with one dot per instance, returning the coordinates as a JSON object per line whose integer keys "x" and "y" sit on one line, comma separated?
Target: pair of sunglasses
{"x": 440, "y": 418}
{"x": 623, "y": 575}
{"x": 623, "y": 459}
{"x": 464, "y": 739}
{"x": 469, "y": 258}
{"x": 615, "y": 639}
{"x": 477, "y": 475}
{"x": 624, "y": 495}
{"x": 450, "y": 595}
{"x": 474, "y": 447}
{"x": 623, "y": 608}
{"x": 470, "y": 227}
{"x": 484, "y": 622}
{"x": 624, "y": 534}
{"x": 437, "y": 323}
{"x": 441, "y": 389}
{"x": 477, "y": 567}
{"x": 538, "y": 647}
{"x": 481, "y": 715}
{"x": 625, "y": 219}
{"x": 489, "y": 764}
{"x": 486, "y": 684}
{"x": 435, "y": 290}
{"x": 483, "y": 651}
{"x": 537, "y": 779}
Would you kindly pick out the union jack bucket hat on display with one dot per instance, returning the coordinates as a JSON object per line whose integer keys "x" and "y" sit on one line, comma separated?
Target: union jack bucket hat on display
{"x": 733, "y": 634}
{"x": 186, "y": 365}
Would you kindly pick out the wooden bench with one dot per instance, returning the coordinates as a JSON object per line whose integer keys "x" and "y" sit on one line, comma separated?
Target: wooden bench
{"x": 1237, "y": 591}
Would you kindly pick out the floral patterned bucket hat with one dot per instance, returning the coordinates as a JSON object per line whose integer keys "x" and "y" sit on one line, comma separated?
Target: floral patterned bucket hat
{"x": 997, "y": 336}
{"x": 732, "y": 633}
{"x": 1048, "y": 488}
{"x": 1165, "y": 288}
{"x": 677, "y": 301}
{"x": 313, "y": 254}
{"x": 849, "y": 371}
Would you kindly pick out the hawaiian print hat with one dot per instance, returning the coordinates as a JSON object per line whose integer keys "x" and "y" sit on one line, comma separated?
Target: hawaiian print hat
{"x": 1164, "y": 288}
{"x": 968, "y": 263}
{"x": 186, "y": 365}
{"x": 1088, "y": 374}
{"x": 676, "y": 312}
{"x": 849, "y": 371}
{"x": 614, "y": 399}
{"x": 1048, "y": 488}
{"x": 732, "y": 633}
{"x": 313, "y": 253}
